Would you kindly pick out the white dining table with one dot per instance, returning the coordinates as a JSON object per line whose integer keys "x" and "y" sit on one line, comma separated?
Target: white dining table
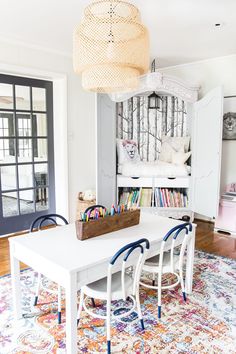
{"x": 60, "y": 256}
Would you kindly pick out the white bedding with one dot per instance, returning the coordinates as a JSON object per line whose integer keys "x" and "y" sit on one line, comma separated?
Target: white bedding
{"x": 153, "y": 169}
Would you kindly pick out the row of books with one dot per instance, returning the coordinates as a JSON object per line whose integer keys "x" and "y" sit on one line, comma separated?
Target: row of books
{"x": 130, "y": 197}
{"x": 171, "y": 197}
{"x": 157, "y": 197}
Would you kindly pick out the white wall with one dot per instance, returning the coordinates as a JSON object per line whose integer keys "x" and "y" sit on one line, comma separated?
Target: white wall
{"x": 81, "y": 116}
{"x": 209, "y": 74}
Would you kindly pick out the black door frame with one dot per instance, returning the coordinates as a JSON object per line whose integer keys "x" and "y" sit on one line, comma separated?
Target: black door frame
{"x": 22, "y": 222}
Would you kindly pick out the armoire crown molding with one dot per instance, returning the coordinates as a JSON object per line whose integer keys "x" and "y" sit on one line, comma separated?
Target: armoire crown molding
{"x": 162, "y": 84}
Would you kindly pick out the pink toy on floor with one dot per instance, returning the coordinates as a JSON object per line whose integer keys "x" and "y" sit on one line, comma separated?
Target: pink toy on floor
{"x": 226, "y": 219}
{"x": 231, "y": 187}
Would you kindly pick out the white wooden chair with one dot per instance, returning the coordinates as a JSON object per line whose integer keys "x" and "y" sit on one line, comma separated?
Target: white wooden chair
{"x": 118, "y": 285}
{"x": 36, "y": 226}
{"x": 169, "y": 262}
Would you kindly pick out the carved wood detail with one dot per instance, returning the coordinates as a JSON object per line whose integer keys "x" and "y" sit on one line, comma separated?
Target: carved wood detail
{"x": 162, "y": 84}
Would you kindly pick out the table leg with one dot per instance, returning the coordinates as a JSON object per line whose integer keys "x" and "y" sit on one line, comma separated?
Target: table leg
{"x": 71, "y": 315}
{"x": 15, "y": 279}
{"x": 190, "y": 262}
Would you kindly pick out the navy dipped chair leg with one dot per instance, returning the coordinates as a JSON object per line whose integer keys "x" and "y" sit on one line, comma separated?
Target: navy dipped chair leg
{"x": 59, "y": 304}
{"x": 36, "y": 300}
{"x": 159, "y": 311}
{"x": 108, "y": 347}
{"x": 153, "y": 279}
{"x": 59, "y": 317}
{"x": 37, "y": 290}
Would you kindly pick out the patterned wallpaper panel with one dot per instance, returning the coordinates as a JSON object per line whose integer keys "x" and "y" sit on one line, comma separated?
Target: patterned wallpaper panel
{"x": 147, "y": 126}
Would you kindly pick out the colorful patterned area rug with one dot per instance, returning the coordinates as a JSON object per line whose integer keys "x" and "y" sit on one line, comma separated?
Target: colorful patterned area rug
{"x": 206, "y": 323}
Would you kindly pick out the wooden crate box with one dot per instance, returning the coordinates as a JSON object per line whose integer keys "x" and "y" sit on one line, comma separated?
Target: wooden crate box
{"x": 102, "y": 226}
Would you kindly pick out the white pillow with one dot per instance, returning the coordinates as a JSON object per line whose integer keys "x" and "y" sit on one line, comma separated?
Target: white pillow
{"x": 179, "y": 158}
{"x": 166, "y": 153}
{"x": 127, "y": 151}
{"x": 172, "y": 143}
{"x": 177, "y": 142}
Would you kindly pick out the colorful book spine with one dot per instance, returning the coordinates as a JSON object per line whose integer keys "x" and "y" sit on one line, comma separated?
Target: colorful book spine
{"x": 170, "y": 198}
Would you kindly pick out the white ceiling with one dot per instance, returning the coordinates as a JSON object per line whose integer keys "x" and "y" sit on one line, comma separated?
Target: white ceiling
{"x": 181, "y": 31}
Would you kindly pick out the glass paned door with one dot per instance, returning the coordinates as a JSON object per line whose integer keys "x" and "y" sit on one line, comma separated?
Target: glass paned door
{"x": 27, "y": 187}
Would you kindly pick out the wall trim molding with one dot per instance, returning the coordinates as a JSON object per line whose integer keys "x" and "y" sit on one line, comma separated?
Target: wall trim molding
{"x": 197, "y": 62}
{"x": 60, "y": 128}
{"x": 41, "y": 48}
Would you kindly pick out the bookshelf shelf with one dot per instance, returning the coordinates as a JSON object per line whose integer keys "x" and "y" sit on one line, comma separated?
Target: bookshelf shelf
{"x": 157, "y": 209}
{"x": 163, "y": 196}
{"x": 170, "y": 208}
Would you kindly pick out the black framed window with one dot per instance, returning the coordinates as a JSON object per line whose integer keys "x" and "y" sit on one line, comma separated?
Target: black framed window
{"x": 26, "y": 151}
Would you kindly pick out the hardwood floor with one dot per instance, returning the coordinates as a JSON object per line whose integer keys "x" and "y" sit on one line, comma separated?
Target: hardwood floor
{"x": 5, "y": 257}
{"x": 213, "y": 242}
{"x": 206, "y": 240}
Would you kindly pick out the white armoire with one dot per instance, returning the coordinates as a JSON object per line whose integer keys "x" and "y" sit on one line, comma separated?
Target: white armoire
{"x": 205, "y": 118}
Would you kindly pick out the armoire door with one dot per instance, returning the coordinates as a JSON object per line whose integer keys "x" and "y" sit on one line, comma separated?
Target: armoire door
{"x": 106, "y": 151}
{"x": 206, "y": 157}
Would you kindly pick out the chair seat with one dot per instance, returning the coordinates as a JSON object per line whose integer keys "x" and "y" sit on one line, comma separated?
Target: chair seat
{"x": 98, "y": 289}
{"x": 152, "y": 264}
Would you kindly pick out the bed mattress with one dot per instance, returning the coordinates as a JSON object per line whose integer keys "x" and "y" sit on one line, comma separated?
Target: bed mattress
{"x": 154, "y": 169}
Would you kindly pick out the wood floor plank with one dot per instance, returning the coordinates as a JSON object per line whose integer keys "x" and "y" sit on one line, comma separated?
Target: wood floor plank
{"x": 213, "y": 242}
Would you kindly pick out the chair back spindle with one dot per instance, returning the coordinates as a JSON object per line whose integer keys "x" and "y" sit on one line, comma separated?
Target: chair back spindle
{"x": 38, "y": 223}
{"x": 183, "y": 231}
{"x": 141, "y": 247}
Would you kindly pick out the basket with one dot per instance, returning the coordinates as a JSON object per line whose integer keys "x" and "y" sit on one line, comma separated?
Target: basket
{"x": 82, "y": 205}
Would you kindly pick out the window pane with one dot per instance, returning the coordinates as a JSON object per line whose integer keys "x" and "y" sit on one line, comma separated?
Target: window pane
{"x": 39, "y": 124}
{"x": 8, "y": 177}
{"x": 24, "y": 125}
{"x": 40, "y": 149}
{"x": 39, "y": 99}
{"x": 41, "y": 174}
{"x": 41, "y": 199}
{"x": 25, "y": 173}
{"x": 10, "y": 204}
{"x": 6, "y": 96}
{"x": 27, "y": 201}
{"x": 24, "y": 150}
{"x": 7, "y": 151}
{"x": 7, "y": 124}
{"x": 22, "y": 97}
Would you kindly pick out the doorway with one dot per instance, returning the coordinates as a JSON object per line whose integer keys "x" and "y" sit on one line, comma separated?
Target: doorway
{"x": 27, "y": 187}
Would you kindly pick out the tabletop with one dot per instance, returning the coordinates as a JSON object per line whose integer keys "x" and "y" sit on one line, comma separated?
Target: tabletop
{"x": 61, "y": 247}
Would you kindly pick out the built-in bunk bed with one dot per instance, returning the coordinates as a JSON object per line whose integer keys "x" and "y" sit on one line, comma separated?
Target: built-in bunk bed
{"x": 165, "y": 160}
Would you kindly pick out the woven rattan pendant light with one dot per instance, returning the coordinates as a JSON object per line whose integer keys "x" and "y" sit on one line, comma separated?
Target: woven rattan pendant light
{"x": 111, "y": 47}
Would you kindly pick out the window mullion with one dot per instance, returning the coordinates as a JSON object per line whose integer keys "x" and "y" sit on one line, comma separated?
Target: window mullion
{"x": 32, "y": 145}
{"x": 16, "y": 147}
